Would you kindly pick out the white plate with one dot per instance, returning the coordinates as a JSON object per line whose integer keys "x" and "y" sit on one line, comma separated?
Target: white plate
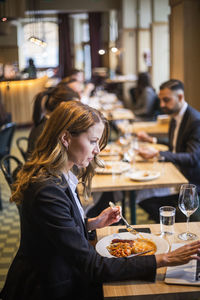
{"x": 143, "y": 175}
{"x": 101, "y": 247}
{"x": 110, "y": 150}
{"x": 114, "y": 167}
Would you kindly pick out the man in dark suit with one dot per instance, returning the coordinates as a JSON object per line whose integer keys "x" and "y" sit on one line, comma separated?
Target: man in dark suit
{"x": 184, "y": 143}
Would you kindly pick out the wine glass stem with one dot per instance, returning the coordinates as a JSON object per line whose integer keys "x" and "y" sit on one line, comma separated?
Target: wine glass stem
{"x": 188, "y": 218}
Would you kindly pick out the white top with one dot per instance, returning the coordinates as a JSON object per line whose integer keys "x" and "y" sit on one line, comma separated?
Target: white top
{"x": 178, "y": 119}
{"x": 73, "y": 181}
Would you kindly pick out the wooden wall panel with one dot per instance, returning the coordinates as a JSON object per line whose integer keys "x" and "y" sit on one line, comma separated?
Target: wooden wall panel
{"x": 185, "y": 46}
{"x": 8, "y": 54}
{"x": 192, "y": 52}
{"x": 177, "y": 43}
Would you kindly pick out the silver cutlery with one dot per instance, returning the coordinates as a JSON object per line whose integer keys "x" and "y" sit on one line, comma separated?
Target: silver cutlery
{"x": 128, "y": 226}
{"x": 139, "y": 253}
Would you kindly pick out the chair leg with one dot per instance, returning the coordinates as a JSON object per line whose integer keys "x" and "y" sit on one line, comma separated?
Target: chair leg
{"x": 132, "y": 207}
{"x": 123, "y": 204}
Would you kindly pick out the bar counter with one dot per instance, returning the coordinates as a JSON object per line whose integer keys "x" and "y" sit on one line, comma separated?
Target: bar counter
{"x": 17, "y": 97}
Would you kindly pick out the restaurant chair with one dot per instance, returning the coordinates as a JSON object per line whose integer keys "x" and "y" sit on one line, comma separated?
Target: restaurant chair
{"x": 10, "y": 166}
{"x": 6, "y": 136}
{"x": 22, "y": 145}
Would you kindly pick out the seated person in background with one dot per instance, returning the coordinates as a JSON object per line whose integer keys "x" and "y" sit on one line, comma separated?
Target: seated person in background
{"x": 31, "y": 69}
{"x": 88, "y": 87}
{"x": 145, "y": 100}
{"x": 55, "y": 260}
{"x": 99, "y": 76}
{"x": 184, "y": 144}
{"x": 45, "y": 102}
{"x": 73, "y": 84}
{"x": 75, "y": 80}
{"x": 77, "y": 75}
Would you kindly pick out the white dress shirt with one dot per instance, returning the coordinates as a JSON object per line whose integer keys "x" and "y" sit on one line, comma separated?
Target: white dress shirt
{"x": 178, "y": 119}
{"x": 73, "y": 181}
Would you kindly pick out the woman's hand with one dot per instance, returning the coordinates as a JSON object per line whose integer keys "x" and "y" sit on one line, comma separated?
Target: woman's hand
{"x": 179, "y": 256}
{"x": 107, "y": 217}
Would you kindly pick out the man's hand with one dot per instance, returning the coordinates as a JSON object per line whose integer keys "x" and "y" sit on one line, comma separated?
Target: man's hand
{"x": 148, "y": 152}
{"x": 143, "y": 136}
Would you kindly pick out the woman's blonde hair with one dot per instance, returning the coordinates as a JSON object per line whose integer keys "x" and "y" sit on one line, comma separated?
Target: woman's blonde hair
{"x": 50, "y": 155}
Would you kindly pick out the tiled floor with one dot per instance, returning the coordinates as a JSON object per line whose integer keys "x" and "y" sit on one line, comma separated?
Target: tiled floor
{"x": 9, "y": 219}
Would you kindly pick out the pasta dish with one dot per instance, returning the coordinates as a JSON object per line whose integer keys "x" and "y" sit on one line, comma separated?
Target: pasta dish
{"x": 122, "y": 248}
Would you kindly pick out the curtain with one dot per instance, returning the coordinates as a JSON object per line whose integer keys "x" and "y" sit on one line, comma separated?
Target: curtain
{"x": 95, "y": 38}
{"x": 65, "y": 58}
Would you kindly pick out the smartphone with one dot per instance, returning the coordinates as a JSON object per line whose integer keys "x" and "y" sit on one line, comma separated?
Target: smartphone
{"x": 145, "y": 229}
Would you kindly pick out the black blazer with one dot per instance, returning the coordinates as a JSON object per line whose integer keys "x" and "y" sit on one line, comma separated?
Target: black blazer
{"x": 55, "y": 258}
{"x": 187, "y": 156}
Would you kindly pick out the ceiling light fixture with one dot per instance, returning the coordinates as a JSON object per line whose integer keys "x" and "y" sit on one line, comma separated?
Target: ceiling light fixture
{"x": 37, "y": 36}
{"x": 37, "y": 41}
{"x": 101, "y": 52}
{"x": 114, "y": 49}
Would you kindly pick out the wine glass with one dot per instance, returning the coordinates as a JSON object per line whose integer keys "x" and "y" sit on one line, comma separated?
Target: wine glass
{"x": 188, "y": 203}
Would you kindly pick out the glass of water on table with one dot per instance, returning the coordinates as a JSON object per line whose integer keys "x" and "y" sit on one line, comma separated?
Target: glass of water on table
{"x": 167, "y": 219}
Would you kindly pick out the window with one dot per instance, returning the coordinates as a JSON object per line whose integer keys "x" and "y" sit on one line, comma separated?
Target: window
{"x": 43, "y": 56}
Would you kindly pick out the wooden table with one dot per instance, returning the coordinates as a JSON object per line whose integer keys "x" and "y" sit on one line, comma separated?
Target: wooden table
{"x": 170, "y": 177}
{"x": 153, "y": 128}
{"x": 140, "y": 290}
{"x": 122, "y": 79}
{"x": 118, "y": 113}
{"x": 121, "y": 114}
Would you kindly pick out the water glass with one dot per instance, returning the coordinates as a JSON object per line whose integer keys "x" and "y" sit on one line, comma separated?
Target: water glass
{"x": 167, "y": 219}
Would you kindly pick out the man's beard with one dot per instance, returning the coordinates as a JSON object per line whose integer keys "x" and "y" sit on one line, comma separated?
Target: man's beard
{"x": 168, "y": 111}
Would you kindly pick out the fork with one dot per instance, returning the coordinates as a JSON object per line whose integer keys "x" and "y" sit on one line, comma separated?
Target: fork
{"x": 128, "y": 226}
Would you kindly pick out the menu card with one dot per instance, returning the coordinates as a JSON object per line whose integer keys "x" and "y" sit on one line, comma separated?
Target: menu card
{"x": 187, "y": 274}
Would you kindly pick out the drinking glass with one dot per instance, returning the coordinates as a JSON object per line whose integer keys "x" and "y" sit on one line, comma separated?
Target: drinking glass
{"x": 167, "y": 219}
{"x": 188, "y": 203}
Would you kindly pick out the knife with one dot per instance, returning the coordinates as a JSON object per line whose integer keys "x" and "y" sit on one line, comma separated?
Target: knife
{"x": 139, "y": 253}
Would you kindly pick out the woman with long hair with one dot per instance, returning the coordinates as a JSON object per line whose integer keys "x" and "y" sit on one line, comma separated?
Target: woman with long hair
{"x": 55, "y": 260}
{"x": 145, "y": 99}
{"x": 44, "y": 104}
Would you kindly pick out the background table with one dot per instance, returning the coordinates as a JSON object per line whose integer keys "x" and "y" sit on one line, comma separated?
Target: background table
{"x": 170, "y": 177}
{"x": 153, "y": 128}
{"x": 140, "y": 290}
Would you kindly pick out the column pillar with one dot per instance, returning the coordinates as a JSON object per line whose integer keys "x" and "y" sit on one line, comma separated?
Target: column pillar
{"x": 185, "y": 46}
